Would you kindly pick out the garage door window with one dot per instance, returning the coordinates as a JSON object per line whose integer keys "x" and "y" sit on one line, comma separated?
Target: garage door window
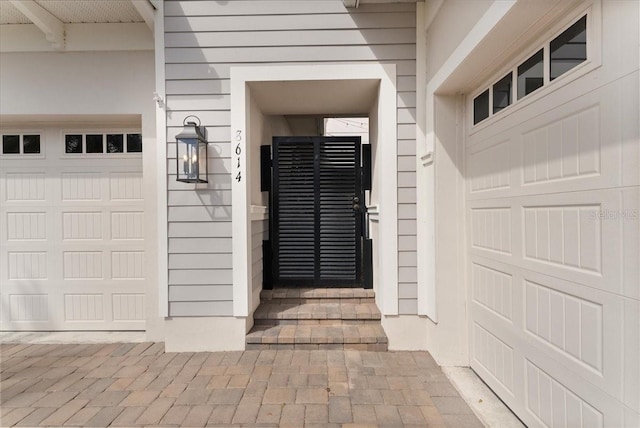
{"x": 560, "y": 54}
{"x": 481, "y": 107}
{"x": 108, "y": 143}
{"x": 531, "y": 74}
{"x": 134, "y": 143}
{"x": 95, "y": 143}
{"x": 502, "y": 93}
{"x": 73, "y": 143}
{"x": 569, "y": 49}
{"x": 21, "y": 144}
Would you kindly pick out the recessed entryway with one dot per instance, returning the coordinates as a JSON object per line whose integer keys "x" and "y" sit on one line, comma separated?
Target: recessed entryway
{"x": 262, "y": 98}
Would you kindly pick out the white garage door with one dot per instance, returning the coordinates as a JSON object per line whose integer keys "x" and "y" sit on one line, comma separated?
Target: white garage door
{"x": 552, "y": 209}
{"x": 72, "y": 255}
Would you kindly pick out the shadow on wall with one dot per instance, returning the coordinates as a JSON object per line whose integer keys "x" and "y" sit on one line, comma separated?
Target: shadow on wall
{"x": 200, "y": 51}
{"x": 203, "y": 44}
{"x": 29, "y": 306}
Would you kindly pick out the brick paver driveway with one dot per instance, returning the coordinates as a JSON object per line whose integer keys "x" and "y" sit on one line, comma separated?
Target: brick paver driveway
{"x": 140, "y": 385}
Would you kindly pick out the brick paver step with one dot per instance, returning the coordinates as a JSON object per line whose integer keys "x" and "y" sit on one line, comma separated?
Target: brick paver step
{"x": 318, "y": 295}
{"x": 318, "y": 334}
{"x": 317, "y": 318}
{"x": 273, "y": 312}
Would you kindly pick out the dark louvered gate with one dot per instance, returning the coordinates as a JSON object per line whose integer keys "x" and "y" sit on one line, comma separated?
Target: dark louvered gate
{"x": 316, "y": 215}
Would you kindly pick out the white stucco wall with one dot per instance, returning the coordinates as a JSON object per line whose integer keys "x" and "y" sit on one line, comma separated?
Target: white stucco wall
{"x": 78, "y": 83}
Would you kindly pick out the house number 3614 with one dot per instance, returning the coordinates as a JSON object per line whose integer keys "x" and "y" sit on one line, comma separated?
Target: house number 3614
{"x": 238, "y": 153}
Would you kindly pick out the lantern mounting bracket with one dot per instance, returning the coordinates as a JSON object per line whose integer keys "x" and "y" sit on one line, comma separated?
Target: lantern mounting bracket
{"x": 187, "y": 122}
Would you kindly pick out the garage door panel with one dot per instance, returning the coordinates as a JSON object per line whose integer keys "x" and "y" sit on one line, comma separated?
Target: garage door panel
{"x": 75, "y": 308}
{"x": 28, "y": 308}
{"x": 569, "y": 322}
{"x": 564, "y": 162}
{"x": 492, "y": 288}
{"x": 127, "y": 224}
{"x": 562, "y": 320}
{"x": 562, "y": 149}
{"x": 27, "y": 265}
{"x": 490, "y": 168}
{"x": 491, "y": 228}
{"x": 553, "y": 404}
{"x": 496, "y": 358}
{"x": 83, "y": 224}
{"x": 82, "y": 186}
{"x": 573, "y": 236}
{"x": 564, "y": 235}
{"x": 72, "y": 228}
{"x": 563, "y": 394}
{"x": 25, "y": 186}
{"x": 91, "y": 309}
{"x": 564, "y": 102}
{"x": 26, "y": 226}
{"x": 498, "y": 355}
{"x": 126, "y": 185}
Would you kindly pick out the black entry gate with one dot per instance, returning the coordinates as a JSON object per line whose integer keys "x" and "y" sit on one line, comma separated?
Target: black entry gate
{"x": 317, "y": 212}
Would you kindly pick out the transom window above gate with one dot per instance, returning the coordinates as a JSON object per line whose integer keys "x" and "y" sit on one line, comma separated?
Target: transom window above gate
{"x": 558, "y": 56}
{"x": 102, "y": 143}
{"x": 21, "y": 144}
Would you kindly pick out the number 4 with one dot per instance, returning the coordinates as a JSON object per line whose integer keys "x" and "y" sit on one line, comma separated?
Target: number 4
{"x": 238, "y": 177}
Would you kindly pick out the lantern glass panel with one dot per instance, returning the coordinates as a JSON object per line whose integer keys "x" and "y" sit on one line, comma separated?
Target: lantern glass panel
{"x": 191, "y": 154}
{"x": 202, "y": 159}
{"x": 188, "y": 165}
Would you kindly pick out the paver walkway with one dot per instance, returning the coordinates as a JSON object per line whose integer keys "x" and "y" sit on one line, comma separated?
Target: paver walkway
{"x": 138, "y": 384}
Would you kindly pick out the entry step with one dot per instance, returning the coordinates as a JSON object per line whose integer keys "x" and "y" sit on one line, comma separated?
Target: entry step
{"x": 277, "y": 312}
{"x": 358, "y": 337}
{"x": 319, "y": 295}
{"x": 317, "y": 318}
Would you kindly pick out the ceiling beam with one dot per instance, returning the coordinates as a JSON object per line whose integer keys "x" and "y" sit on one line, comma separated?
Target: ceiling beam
{"x": 51, "y": 26}
{"x": 351, "y": 3}
{"x": 146, "y": 9}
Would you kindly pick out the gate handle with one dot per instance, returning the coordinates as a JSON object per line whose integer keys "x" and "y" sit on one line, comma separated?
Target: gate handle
{"x": 356, "y": 205}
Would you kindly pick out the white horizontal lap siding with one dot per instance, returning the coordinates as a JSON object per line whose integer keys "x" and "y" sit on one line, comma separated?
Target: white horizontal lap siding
{"x": 203, "y": 40}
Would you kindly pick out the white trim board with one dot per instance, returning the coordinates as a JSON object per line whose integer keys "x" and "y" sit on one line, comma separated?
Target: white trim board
{"x": 425, "y": 168}
{"x": 161, "y": 170}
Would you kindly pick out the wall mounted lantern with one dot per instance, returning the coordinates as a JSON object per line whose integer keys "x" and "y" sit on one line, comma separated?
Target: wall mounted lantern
{"x": 191, "y": 152}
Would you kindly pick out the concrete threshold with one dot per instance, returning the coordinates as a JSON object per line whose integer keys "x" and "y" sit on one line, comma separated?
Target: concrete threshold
{"x": 491, "y": 411}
